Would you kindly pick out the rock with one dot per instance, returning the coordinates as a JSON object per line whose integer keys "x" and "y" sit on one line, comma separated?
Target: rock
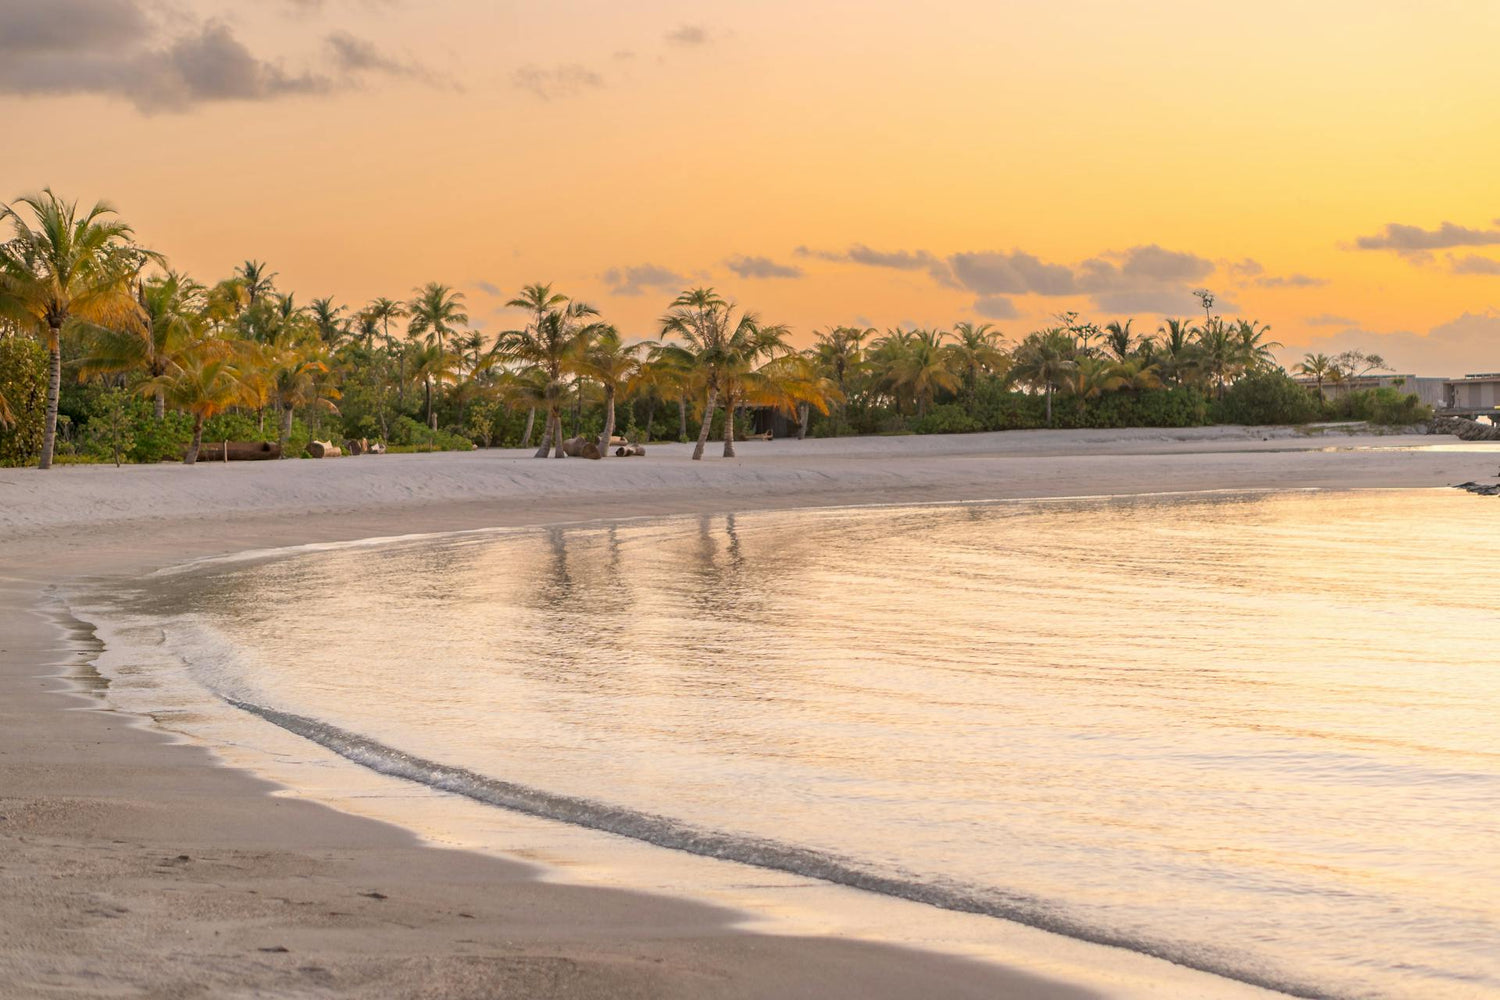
{"x": 1465, "y": 429}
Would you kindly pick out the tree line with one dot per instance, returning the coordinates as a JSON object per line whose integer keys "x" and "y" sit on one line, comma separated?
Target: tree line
{"x": 155, "y": 361}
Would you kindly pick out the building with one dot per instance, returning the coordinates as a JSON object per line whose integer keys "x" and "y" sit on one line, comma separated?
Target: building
{"x": 1430, "y": 390}
{"x": 1471, "y": 395}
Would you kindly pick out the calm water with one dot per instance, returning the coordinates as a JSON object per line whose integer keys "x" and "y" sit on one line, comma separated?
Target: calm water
{"x": 1255, "y": 734}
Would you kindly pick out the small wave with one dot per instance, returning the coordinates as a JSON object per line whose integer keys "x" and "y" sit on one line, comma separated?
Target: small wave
{"x": 664, "y": 831}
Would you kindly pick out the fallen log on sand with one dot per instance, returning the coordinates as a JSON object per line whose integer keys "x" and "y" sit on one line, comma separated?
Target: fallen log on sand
{"x": 630, "y": 451}
{"x": 323, "y": 449}
{"x": 238, "y": 451}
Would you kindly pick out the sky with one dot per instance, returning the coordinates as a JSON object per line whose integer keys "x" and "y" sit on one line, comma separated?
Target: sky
{"x": 1324, "y": 166}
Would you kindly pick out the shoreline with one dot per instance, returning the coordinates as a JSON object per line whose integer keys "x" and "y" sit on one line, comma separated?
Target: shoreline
{"x": 50, "y": 758}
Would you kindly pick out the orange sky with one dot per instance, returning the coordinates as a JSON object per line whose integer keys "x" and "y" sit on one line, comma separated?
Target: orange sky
{"x": 876, "y": 162}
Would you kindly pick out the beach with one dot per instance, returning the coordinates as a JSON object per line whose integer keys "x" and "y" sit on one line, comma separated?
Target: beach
{"x": 138, "y": 865}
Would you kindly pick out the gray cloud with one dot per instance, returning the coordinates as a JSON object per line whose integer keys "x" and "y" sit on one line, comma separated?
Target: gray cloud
{"x": 1290, "y": 281}
{"x": 899, "y": 260}
{"x": 357, "y": 55}
{"x": 1462, "y": 345}
{"x": 761, "y": 267}
{"x": 112, "y": 48}
{"x": 489, "y": 288}
{"x": 1246, "y": 268}
{"x": 689, "y": 34}
{"x": 1415, "y": 240}
{"x": 635, "y": 280}
{"x": 995, "y": 307}
{"x": 560, "y": 81}
{"x": 1014, "y": 273}
{"x": 1474, "y": 264}
{"x": 1329, "y": 319}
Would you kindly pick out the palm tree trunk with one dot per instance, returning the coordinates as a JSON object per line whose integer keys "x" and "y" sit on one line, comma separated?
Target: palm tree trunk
{"x": 708, "y": 421}
{"x": 286, "y": 430}
{"x": 530, "y": 426}
{"x": 161, "y": 404}
{"x": 557, "y": 438}
{"x": 728, "y": 426}
{"x": 192, "y": 453}
{"x": 650, "y": 416}
{"x": 609, "y": 421}
{"x": 803, "y": 419}
{"x": 546, "y": 436}
{"x": 431, "y": 416}
{"x": 682, "y": 418}
{"x": 1049, "y": 404}
{"x": 54, "y": 390}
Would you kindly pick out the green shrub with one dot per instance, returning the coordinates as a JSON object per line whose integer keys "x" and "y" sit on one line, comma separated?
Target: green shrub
{"x": 1266, "y": 398}
{"x": 23, "y": 384}
{"x": 1387, "y": 406}
{"x": 948, "y": 418}
{"x": 409, "y": 435}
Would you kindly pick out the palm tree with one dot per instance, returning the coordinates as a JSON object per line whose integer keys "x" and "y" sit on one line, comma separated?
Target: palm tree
{"x": 839, "y": 353}
{"x": 259, "y": 283}
{"x": 976, "y": 351}
{"x": 1178, "y": 358}
{"x": 745, "y": 348}
{"x": 383, "y": 310}
{"x": 203, "y": 384}
{"x": 1118, "y": 339}
{"x": 63, "y": 269}
{"x": 553, "y": 342}
{"x": 1045, "y": 359}
{"x": 926, "y": 367}
{"x": 1255, "y": 353}
{"x": 1319, "y": 368}
{"x": 613, "y": 364}
{"x": 297, "y": 374}
{"x": 706, "y": 324}
{"x": 1219, "y": 354}
{"x": 1089, "y": 378}
{"x": 326, "y": 318}
{"x": 430, "y": 364}
{"x": 168, "y": 323}
{"x": 793, "y": 384}
{"x": 437, "y": 312}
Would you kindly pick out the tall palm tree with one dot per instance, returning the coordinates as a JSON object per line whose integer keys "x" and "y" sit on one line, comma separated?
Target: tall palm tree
{"x": 1255, "y": 352}
{"x": 298, "y": 377}
{"x": 553, "y": 342}
{"x": 1090, "y": 378}
{"x": 1177, "y": 355}
{"x": 1045, "y": 359}
{"x": 203, "y": 384}
{"x": 926, "y": 367}
{"x": 1218, "y": 353}
{"x": 1118, "y": 339}
{"x": 382, "y": 311}
{"x": 166, "y": 326}
{"x": 430, "y": 365}
{"x": 437, "y": 312}
{"x": 328, "y": 319}
{"x": 1319, "y": 368}
{"x": 706, "y": 325}
{"x": 977, "y": 350}
{"x": 745, "y": 349}
{"x": 66, "y": 269}
{"x": 259, "y": 282}
{"x": 613, "y": 364}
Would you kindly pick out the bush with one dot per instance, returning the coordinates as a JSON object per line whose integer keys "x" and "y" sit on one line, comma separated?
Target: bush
{"x": 23, "y": 383}
{"x": 408, "y": 435}
{"x": 1387, "y": 406}
{"x": 948, "y": 418}
{"x": 1266, "y": 398}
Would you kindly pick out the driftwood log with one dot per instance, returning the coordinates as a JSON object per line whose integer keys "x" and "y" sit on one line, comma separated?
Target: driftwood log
{"x": 629, "y": 451}
{"x": 323, "y": 449}
{"x": 356, "y": 446}
{"x": 238, "y": 451}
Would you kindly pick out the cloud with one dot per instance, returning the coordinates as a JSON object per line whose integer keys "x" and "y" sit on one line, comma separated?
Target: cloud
{"x": 899, "y": 260}
{"x": 1459, "y": 346}
{"x": 560, "y": 81}
{"x": 1329, "y": 319}
{"x": 1415, "y": 240}
{"x": 1290, "y": 281}
{"x": 353, "y": 55}
{"x": 761, "y": 267}
{"x": 1013, "y": 273}
{"x": 689, "y": 34}
{"x": 112, "y": 48}
{"x": 489, "y": 288}
{"x": 635, "y": 280}
{"x": 1474, "y": 264}
{"x": 995, "y": 307}
{"x": 1246, "y": 268}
